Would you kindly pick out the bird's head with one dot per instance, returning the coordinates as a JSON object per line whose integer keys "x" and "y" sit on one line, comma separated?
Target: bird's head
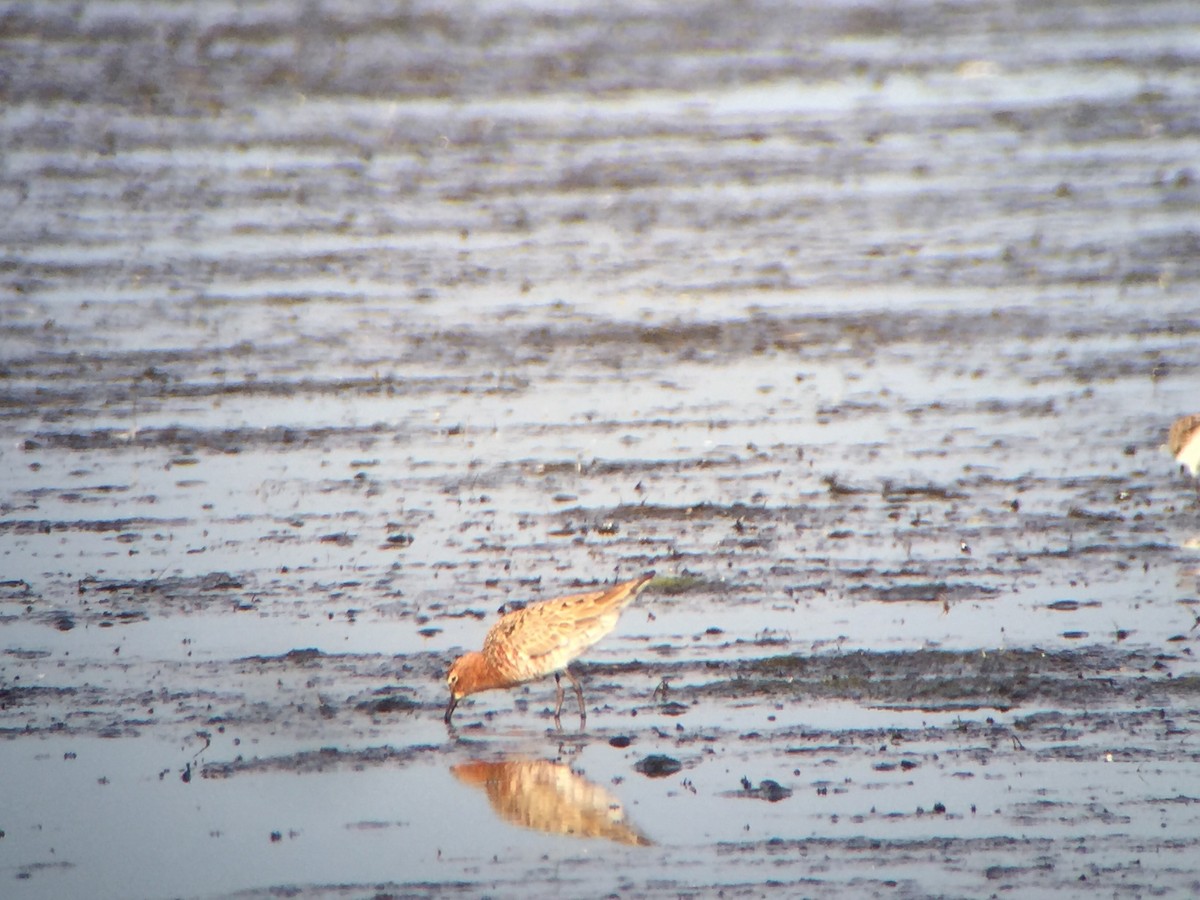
{"x": 470, "y": 674}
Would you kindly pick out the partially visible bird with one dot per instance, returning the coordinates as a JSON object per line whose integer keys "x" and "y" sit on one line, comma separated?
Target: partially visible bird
{"x": 541, "y": 639}
{"x": 1183, "y": 440}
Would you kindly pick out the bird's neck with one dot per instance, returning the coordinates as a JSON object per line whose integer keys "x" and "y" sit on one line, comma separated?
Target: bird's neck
{"x": 477, "y": 674}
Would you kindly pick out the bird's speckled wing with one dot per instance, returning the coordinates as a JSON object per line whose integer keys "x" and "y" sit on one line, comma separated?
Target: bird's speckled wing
{"x": 543, "y": 637}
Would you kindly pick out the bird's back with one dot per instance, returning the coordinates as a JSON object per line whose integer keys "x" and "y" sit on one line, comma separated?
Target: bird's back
{"x": 544, "y": 637}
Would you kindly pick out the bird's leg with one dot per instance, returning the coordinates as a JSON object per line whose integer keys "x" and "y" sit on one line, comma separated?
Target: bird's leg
{"x": 579, "y": 696}
{"x": 558, "y": 699}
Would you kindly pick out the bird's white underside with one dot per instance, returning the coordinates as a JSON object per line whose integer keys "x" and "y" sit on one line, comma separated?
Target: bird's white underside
{"x": 1189, "y": 454}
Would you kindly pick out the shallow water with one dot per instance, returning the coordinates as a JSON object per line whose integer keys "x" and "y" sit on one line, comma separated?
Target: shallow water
{"x": 322, "y": 338}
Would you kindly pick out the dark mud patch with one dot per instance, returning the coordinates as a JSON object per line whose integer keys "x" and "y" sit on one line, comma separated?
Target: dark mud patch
{"x": 1053, "y": 868}
{"x": 389, "y": 704}
{"x": 768, "y": 790}
{"x": 122, "y": 526}
{"x": 190, "y": 440}
{"x": 941, "y": 592}
{"x": 107, "y": 602}
{"x": 658, "y": 766}
{"x": 320, "y": 760}
{"x": 307, "y": 657}
{"x": 932, "y": 680}
{"x": 11, "y": 697}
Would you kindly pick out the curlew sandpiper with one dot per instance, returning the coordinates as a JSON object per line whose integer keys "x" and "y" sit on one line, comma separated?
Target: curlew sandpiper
{"x": 541, "y": 639}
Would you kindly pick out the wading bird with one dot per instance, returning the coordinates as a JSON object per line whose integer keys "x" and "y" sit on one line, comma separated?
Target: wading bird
{"x": 1183, "y": 440}
{"x": 541, "y": 639}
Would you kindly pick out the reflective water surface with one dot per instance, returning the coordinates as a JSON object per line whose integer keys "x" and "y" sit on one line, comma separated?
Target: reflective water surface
{"x": 323, "y": 336}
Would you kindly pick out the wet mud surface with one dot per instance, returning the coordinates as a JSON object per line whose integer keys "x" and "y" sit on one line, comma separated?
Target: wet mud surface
{"x": 325, "y": 335}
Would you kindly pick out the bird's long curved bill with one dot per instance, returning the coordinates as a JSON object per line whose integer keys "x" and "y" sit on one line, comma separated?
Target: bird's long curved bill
{"x": 450, "y": 708}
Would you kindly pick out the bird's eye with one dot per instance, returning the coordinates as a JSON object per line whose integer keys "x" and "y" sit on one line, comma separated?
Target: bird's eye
{"x": 452, "y": 679}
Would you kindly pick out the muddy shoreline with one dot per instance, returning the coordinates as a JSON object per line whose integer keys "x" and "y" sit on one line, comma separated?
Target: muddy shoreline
{"x": 323, "y": 337}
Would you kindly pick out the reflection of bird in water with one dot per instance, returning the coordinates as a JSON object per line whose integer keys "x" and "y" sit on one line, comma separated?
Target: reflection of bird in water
{"x": 1183, "y": 441}
{"x": 547, "y": 796}
{"x": 541, "y": 639}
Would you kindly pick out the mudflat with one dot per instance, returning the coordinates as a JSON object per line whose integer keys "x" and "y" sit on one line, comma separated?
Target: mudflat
{"x": 327, "y": 333}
